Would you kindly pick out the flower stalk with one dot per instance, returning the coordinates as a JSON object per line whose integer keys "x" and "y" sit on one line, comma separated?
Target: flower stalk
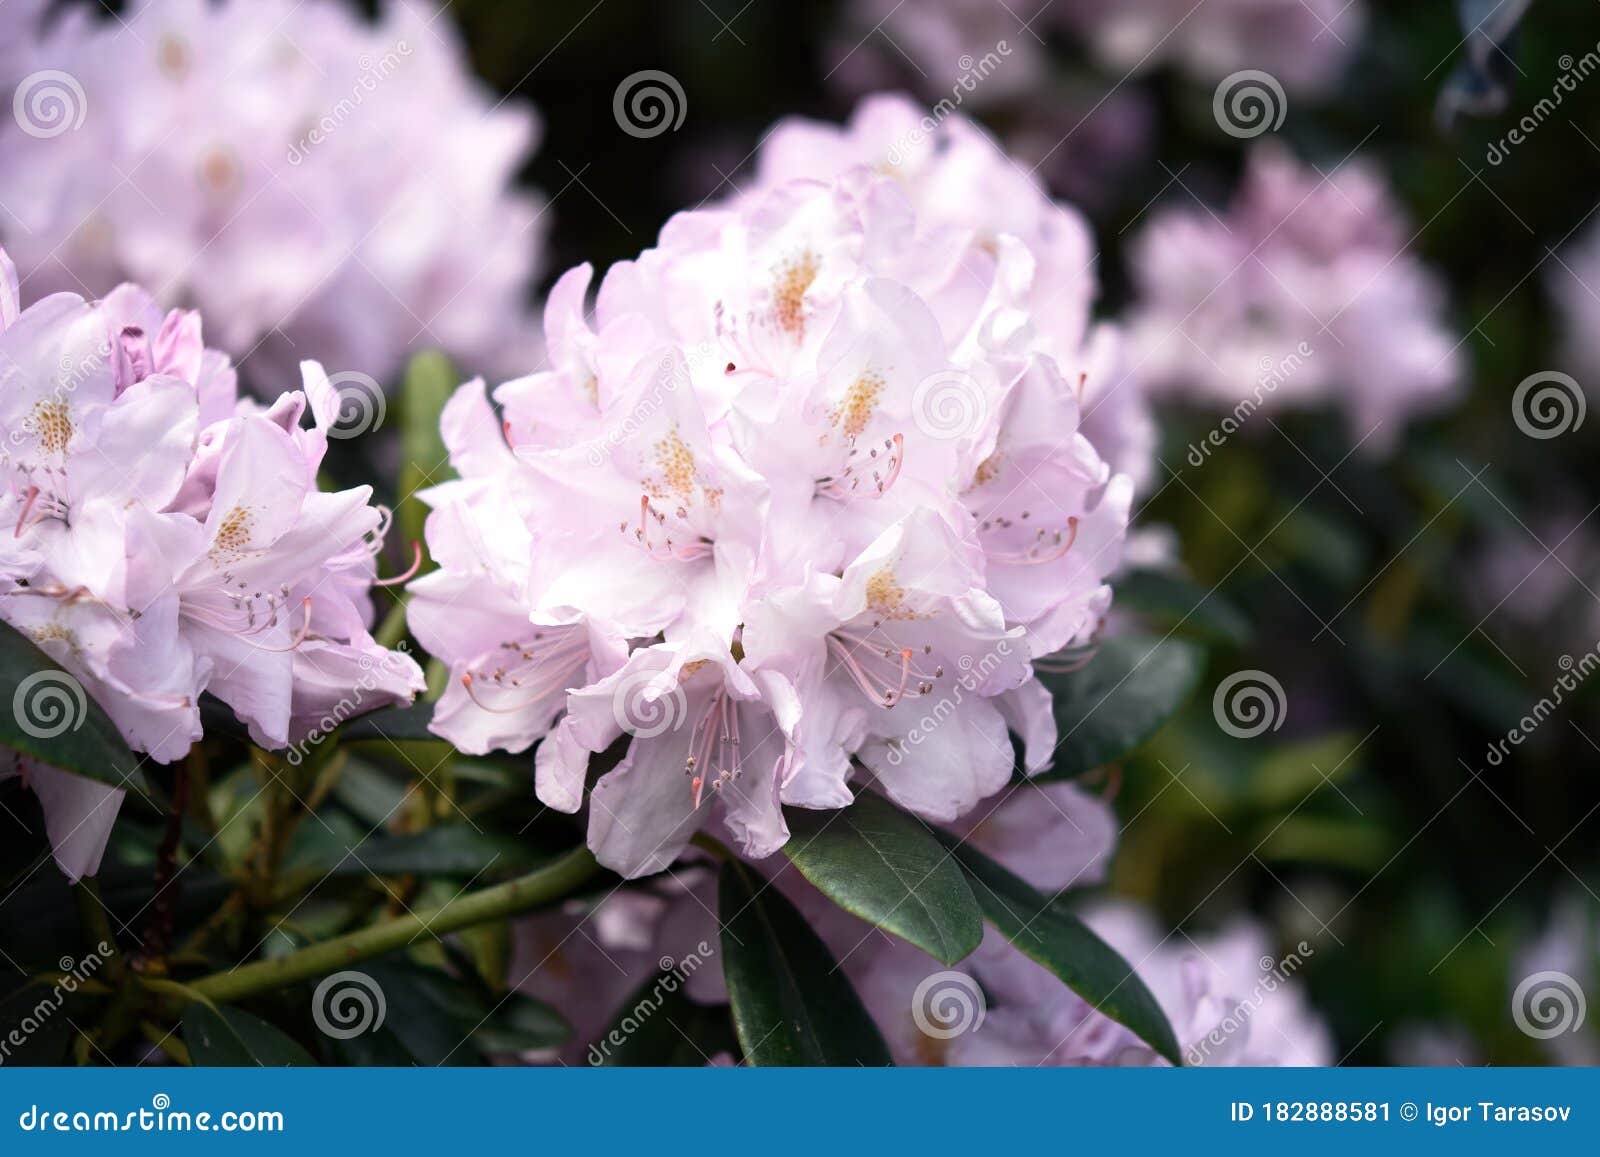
{"x": 537, "y": 888}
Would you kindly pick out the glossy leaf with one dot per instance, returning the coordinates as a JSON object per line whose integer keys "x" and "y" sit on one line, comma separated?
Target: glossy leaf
{"x": 1119, "y": 699}
{"x": 875, "y": 861}
{"x": 230, "y": 1037}
{"x": 1064, "y": 944}
{"x": 46, "y": 713}
{"x": 791, "y": 1003}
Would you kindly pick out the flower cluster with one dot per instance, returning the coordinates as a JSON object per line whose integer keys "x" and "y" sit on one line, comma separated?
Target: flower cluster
{"x": 1303, "y": 44}
{"x": 1302, "y": 294}
{"x": 808, "y": 493}
{"x": 164, "y": 539}
{"x": 317, "y": 185}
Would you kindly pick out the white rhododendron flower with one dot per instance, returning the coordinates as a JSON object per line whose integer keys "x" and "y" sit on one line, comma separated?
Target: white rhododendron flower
{"x": 802, "y": 501}
{"x": 164, "y": 539}
{"x": 318, "y": 185}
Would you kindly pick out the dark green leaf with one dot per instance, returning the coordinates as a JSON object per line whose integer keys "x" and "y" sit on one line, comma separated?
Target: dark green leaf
{"x": 447, "y": 849}
{"x": 428, "y": 1018}
{"x": 400, "y": 723}
{"x": 46, "y": 713}
{"x": 229, "y": 1037}
{"x": 1064, "y": 944}
{"x": 41, "y": 1016}
{"x": 1178, "y": 603}
{"x": 875, "y": 861}
{"x": 660, "y": 1027}
{"x": 791, "y": 1003}
{"x": 522, "y": 1024}
{"x": 1119, "y": 699}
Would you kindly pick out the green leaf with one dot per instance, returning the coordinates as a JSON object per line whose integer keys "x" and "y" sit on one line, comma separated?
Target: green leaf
{"x": 430, "y": 380}
{"x": 399, "y": 723}
{"x": 522, "y": 1024}
{"x": 1119, "y": 699}
{"x": 36, "y": 1014}
{"x": 230, "y": 1037}
{"x": 791, "y": 1003}
{"x": 1064, "y": 944}
{"x": 446, "y": 849}
{"x": 428, "y": 1018}
{"x": 660, "y": 1027}
{"x": 1181, "y": 604}
{"x": 878, "y": 863}
{"x": 46, "y": 713}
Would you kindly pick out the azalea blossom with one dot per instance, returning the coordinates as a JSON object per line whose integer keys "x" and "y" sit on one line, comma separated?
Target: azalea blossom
{"x": 167, "y": 540}
{"x": 969, "y": 195}
{"x": 319, "y": 186}
{"x": 799, "y": 491}
{"x": 1305, "y": 293}
{"x": 1303, "y": 44}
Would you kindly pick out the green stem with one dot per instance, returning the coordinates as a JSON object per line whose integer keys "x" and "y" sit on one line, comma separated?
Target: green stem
{"x": 515, "y": 896}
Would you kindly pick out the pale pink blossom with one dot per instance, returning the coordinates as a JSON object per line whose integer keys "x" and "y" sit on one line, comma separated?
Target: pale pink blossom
{"x": 1305, "y": 292}
{"x": 166, "y": 539}
{"x": 735, "y": 522}
{"x": 1303, "y": 44}
{"x": 319, "y": 185}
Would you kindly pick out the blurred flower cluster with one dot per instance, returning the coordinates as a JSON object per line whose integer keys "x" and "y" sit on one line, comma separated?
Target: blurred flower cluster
{"x": 320, "y": 186}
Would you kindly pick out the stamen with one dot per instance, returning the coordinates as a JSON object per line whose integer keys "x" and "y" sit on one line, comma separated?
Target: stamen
{"x": 697, "y": 549}
{"x": 1047, "y": 546}
{"x": 33, "y": 493}
{"x": 846, "y": 484}
{"x": 416, "y": 565}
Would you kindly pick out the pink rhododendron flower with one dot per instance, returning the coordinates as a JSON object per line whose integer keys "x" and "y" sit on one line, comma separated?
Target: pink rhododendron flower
{"x": 319, "y": 186}
{"x": 802, "y": 501}
{"x": 1304, "y": 44}
{"x": 1304, "y": 294}
{"x": 167, "y": 540}
{"x": 968, "y": 194}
